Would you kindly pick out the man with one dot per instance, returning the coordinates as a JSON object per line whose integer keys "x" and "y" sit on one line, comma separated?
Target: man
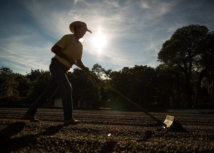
{"x": 68, "y": 51}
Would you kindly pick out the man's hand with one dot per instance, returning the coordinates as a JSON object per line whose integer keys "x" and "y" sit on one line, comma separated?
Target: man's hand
{"x": 80, "y": 64}
{"x": 86, "y": 69}
{"x": 73, "y": 62}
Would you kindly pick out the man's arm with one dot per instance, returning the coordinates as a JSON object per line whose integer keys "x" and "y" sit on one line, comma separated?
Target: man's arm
{"x": 80, "y": 64}
{"x": 57, "y": 50}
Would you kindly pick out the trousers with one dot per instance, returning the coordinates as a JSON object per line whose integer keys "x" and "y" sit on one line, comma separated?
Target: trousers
{"x": 59, "y": 80}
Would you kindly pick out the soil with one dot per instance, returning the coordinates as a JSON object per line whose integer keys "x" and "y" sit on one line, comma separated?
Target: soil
{"x": 103, "y": 131}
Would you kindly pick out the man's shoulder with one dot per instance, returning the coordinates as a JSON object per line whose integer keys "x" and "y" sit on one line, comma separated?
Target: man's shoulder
{"x": 68, "y": 35}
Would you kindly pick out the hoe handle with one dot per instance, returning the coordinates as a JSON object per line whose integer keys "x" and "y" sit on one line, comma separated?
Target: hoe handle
{"x": 130, "y": 101}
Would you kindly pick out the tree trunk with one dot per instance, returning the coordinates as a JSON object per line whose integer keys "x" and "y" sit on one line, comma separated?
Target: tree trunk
{"x": 188, "y": 91}
{"x": 198, "y": 91}
{"x": 140, "y": 99}
{"x": 178, "y": 91}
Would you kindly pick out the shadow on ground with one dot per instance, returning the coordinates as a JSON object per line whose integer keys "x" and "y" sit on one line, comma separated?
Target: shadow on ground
{"x": 8, "y": 144}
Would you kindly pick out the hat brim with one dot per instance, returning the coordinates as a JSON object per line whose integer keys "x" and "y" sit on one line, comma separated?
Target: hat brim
{"x": 78, "y": 23}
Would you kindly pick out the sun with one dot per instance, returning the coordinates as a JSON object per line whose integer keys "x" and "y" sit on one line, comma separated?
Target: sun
{"x": 100, "y": 41}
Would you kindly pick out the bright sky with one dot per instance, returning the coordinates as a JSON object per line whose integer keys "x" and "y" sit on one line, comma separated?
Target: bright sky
{"x": 127, "y": 32}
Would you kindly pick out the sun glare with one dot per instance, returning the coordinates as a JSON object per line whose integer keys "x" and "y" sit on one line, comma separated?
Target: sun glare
{"x": 99, "y": 41}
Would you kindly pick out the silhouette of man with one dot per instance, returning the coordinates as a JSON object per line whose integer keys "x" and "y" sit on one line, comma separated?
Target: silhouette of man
{"x": 68, "y": 51}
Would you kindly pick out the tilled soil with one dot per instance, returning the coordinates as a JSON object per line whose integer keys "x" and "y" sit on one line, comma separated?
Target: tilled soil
{"x": 103, "y": 131}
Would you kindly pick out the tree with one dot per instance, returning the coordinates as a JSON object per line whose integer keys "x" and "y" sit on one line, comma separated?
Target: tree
{"x": 143, "y": 78}
{"x": 83, "y": 87}
{"x": 7, "y": 82}
{"x": 24, "y": 85}
{"x": 104, "y": 75}
{"x": 205, "y": 64}
{"x": 136, "y": 83}
{"x": 208, "y": 84}
{"x": 182, "y": 51}
{"x": 34, "y": 74}
{"x": 98, "y": 70}
{"x": 39, "y": 85}
{"x": 170, "y": 84}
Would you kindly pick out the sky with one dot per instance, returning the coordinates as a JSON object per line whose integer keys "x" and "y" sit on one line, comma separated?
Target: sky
{"x": 125, "y": 33}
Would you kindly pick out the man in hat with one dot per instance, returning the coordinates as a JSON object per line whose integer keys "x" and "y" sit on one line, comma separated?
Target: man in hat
{"x": 68, "y": 51}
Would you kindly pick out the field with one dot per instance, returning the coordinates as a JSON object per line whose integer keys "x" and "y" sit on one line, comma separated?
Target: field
{"x": 103, "y": 131}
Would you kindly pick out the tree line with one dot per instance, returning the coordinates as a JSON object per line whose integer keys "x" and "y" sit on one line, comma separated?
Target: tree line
{"x": 184, "y": 78}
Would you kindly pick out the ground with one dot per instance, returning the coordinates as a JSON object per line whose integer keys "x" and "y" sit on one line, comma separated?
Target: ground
{"x": 103, "y": 131}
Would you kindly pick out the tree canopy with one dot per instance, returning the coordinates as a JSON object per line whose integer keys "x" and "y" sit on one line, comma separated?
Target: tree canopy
{"x": 189, "y": 49}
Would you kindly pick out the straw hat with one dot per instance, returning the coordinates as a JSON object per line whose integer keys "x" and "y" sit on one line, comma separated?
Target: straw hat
{"x": 78, "y": 23}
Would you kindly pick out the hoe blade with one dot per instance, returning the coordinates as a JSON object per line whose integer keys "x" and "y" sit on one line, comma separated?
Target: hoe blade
{"x": 169, "y": 120}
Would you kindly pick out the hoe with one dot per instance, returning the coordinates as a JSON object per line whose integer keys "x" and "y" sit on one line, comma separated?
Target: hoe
{"x": 169, "y": 122}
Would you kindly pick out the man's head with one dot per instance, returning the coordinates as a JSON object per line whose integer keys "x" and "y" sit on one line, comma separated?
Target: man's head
{"x": 79, "y": 31}
{"x": 74, "y": 26}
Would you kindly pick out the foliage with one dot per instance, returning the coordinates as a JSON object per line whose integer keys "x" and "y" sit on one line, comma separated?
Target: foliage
{"x": 24, "y": 85}
{"x": 34, "y": 74}
{"x": 38, "y": 85}
{"x": 187, "y": 50}
{"x": 208, "y": 84}
{"x": 170, "y": 85}
{"x": 7, "y": 82}
{"x": 136, "y": 83}
{"x": 82, "y": 87}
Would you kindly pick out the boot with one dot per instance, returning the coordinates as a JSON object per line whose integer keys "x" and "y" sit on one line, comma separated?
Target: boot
{"x": 31, "y": 118}
{"x": 71, "y": 122}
